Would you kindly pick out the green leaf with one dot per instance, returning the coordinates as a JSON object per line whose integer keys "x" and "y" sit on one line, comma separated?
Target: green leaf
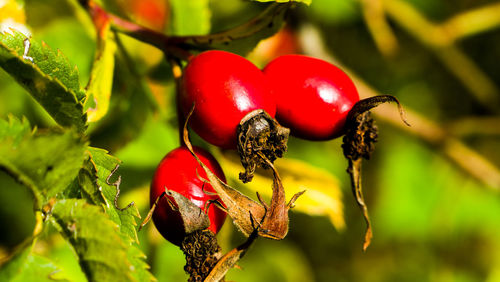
{"x": 14, "y": 266}
{"x": 45, "y": 162}
{"x": 104, "y": 164}
{"x": 243, "y": 38}
{"x": 101, "y": 77}
{"x": 131, "y": 104}
{"x": 49, "y": 78}
{"x": 190, "y": 17}
{"x": 26, "y": 266}
{"x": 95, "y": 238}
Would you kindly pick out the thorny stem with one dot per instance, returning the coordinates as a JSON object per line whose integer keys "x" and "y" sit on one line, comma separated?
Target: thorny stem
{"x": 177, "y": 46}
{"x": 169, "y": 45}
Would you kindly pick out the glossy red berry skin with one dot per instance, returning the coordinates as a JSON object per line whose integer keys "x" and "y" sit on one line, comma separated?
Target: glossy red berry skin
{"x": 313, "y": 96}
{"x": 179, "y": 171}
{"x": 224, "y": 88}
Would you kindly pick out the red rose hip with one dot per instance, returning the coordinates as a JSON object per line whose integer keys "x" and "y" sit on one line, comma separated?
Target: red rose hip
{"x": 179, "y": 171}
{"x": 313, "y": 96}
{"x": 233, "y": 107}
{"x": 224, "y": 88}
{"x": 318, "y": 101}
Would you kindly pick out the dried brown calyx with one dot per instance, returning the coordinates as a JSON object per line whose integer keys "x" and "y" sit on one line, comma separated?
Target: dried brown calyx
{"x": 260, "y": 139}
{"x": 359, "y": 140}
{"x": 270, "y": 221}
{"x": 199, "y": 244}
{"x": 204, "y": 261}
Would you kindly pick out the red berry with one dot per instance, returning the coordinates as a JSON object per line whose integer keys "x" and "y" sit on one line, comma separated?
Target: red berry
{"x": 313, "y": 96}
{"x": 179, "y": 171}
{"x": 224, "y": 88}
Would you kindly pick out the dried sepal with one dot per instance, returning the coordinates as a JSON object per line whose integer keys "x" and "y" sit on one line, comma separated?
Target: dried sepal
{"x": 239, "y": 207}
{"x": 359, "y": 140}
{"x": 275, "y": 224}
{"x": 271, "y": 221}
{"x": 192, "y": 216}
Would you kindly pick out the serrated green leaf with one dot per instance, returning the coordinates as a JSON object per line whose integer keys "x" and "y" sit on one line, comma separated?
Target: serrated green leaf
{"x": 101, "y": 77}
{"x": 64, "y": 256}
{"x": 39, "y": 268}
{"x": 49, "y": 79}
{"x": 95, "y": 238}
{"x": 46, "y": 162}
{"x": 26, "y": 266}
{"x": 243, "y": 38}
{"x": 190, "y": 17}
{"x": 104, "y": 164}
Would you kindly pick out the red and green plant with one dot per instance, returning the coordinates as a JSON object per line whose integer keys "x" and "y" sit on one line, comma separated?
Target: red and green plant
{"x": 147, "y": 81}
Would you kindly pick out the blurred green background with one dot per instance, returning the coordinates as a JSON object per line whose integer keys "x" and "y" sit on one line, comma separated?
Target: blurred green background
{"x": 432, "y": 190}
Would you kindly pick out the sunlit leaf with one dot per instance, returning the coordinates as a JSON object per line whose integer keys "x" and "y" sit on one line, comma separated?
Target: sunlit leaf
{"x": 26, "y": 266}
{"x": 49, "y": 78}
{"x": 190, "y": 17}
{"x": 101, "y": 77}
{"x": 15, "y": 265}
{"x": 46, "y": 162}
{"x": 62, "y": 253}
{"x": 323, "y": 196}
{"x": 104, "y": 164}
{"x": 131, "y": 103}
{"x": 95, "y": 238}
